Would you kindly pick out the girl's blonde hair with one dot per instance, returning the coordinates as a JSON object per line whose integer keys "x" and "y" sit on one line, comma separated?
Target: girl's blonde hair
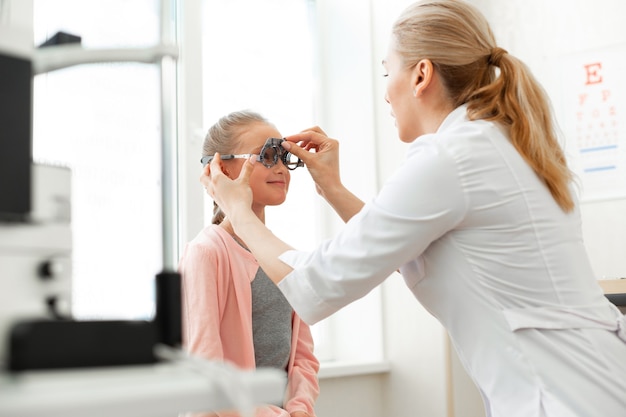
{"x": 223, "y": 137}
{"x": 457, "y": 38}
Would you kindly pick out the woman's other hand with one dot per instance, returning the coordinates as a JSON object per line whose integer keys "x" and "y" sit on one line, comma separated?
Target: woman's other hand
{"x": 233, "y": 196}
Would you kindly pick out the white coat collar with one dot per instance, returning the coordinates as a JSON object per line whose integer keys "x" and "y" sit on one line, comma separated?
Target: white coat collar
{"x": 457, "y": 115}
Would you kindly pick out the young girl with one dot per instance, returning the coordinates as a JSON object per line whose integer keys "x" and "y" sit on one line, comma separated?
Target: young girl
{"x": 231, "y": 310}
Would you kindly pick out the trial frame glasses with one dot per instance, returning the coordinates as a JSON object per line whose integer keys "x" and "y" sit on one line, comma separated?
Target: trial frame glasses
{"x": 270, "y": 154}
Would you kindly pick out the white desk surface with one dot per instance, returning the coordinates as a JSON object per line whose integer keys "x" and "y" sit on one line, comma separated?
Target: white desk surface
{"x": 163, "y": 389}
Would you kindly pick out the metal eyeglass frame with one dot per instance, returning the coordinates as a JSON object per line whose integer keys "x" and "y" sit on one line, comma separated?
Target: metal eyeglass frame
{"x": 274, "y": 143}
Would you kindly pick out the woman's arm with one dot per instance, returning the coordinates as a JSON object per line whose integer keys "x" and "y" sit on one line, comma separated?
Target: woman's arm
{"x": 235, "y": 198}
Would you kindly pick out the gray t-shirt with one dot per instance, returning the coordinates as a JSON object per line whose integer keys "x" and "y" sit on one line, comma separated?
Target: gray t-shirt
{"x": 271, "y": 323}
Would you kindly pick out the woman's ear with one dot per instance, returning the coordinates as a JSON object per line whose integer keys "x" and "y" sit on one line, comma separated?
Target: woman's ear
{"x": 422, "y": 76}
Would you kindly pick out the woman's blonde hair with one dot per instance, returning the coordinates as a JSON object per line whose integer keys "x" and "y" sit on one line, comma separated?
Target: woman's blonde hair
{"x": 457, "y": 39}
{"x": 223, "y": 137}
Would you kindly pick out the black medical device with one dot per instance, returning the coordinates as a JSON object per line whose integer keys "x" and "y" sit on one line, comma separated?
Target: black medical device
{"x": 15, "y": 137}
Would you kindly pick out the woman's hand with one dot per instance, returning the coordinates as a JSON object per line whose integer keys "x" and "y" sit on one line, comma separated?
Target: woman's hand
{"x": 323, "y": 165}
{"x": 233, "y": 196}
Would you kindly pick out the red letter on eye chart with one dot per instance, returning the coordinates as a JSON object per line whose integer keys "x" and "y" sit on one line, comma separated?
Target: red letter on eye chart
{"x": 593, "y": 75}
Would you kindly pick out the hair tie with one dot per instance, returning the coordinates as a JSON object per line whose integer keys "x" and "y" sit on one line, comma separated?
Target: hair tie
{"x": 496, "y": 56}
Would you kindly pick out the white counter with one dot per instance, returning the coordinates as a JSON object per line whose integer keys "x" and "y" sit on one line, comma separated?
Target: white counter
{"x": 160, "y": 390}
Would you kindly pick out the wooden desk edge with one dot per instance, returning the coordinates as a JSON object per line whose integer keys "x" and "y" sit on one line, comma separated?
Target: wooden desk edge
{"x": 613, "y": 286}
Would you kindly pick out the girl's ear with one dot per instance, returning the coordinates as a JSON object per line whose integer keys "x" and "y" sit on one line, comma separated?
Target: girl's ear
{"x": 422, "y": 76}
{"x": 223, "y": 168}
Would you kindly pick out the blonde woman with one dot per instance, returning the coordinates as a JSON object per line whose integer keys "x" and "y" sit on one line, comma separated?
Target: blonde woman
{"x": 480, "y": 219}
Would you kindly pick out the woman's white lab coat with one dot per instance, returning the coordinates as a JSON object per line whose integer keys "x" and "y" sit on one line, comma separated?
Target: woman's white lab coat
{"x": 484, "y": 247}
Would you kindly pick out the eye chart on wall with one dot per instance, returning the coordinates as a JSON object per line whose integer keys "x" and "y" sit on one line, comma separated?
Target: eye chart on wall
{"x": 594, "y": 120}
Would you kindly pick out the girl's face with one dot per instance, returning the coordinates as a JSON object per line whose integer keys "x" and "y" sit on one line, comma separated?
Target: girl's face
{"x": 269, "y": 185}
{"x": 400, "y": 95}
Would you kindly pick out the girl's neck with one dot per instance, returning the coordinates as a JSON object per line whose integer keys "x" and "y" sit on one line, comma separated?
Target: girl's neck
{"x": 227, "y": 225}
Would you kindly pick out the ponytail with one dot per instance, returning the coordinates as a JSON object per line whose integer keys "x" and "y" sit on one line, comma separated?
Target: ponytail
{"x": 218, "y": 214}
{"x": 517, "y": 101}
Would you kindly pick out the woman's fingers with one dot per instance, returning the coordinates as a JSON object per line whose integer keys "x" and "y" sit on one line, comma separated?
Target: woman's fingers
{"x": 315, "y": 129}
{"x": 246, "y": 170}
{"x": 205, "y": 177}
{"x": 309, "y": 138}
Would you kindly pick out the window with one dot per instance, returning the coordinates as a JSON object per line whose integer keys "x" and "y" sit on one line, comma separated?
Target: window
{"x": 103, "y": 122}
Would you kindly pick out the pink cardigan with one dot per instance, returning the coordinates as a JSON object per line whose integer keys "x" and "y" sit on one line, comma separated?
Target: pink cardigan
{"x": 217, "y": 316}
